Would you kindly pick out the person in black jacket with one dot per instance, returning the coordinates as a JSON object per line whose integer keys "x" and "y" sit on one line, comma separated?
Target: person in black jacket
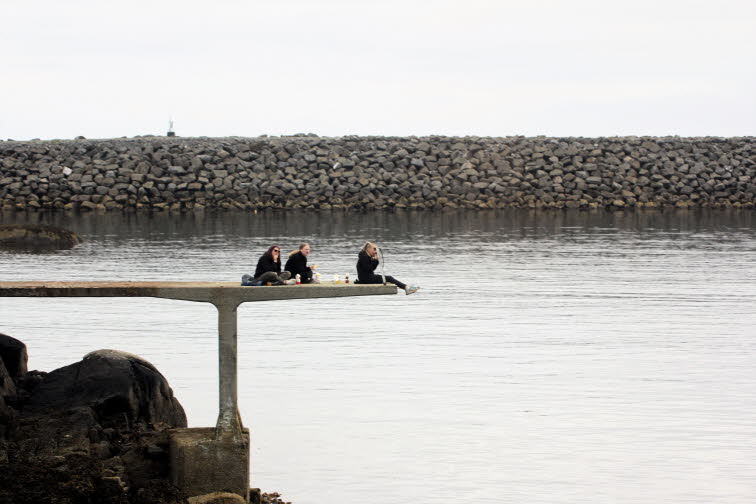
{"x": 367, "y": 262}
{"x": 269, "y": 267}
{"x": 297, "y": 264}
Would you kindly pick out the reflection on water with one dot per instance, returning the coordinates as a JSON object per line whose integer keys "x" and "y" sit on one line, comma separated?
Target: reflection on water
{"x": 388, "y": 225}
{"x": 551, "y": 356}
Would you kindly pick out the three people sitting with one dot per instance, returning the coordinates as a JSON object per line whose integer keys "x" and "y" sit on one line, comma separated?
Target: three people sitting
{"x": 268, "y": 271}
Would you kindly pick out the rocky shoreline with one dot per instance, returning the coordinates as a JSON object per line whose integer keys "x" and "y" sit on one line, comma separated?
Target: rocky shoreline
{"x": 364, "y": 173}
{"x": 95, "y": 431}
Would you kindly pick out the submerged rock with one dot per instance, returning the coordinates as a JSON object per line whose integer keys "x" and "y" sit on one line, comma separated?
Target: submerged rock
{"x": 36, "y": 238}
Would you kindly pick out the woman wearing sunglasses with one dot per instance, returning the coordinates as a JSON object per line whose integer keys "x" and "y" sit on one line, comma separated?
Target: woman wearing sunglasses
{"x": 367, "y": 261}
{"x": 269, "y": 268}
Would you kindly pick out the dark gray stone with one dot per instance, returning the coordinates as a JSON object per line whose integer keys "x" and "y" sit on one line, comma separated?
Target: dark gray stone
{"x": 14, "y": 356}
{"x": 110, "y": 382}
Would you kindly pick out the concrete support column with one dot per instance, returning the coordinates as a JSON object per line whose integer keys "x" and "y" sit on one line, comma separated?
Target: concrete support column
{"x": 229, "y": 420}
{"x": 212, "y": 460}
{"x": 203, "y": 464}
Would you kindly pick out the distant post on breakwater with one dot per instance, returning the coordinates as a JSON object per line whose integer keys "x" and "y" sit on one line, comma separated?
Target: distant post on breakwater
{"x": 204, "y": 460}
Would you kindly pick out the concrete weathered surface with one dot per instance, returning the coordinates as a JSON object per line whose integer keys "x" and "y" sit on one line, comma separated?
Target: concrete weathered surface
{"x": 208, "y": 292}
{"x": 202, "y": 463}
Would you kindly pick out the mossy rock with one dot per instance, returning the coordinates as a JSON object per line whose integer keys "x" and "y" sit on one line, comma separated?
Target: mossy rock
{"x": 36, "y": 238}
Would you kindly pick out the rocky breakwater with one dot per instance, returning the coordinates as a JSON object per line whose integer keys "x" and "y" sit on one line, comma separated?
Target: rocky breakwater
{"x": 180, "y": 174}
{"x": 94, "y": 431}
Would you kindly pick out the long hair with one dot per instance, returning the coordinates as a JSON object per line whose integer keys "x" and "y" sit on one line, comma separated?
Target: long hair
{"x": 301, "y": 246}
{"x": 269, "y": 253}
{"x": 368, "y": 245}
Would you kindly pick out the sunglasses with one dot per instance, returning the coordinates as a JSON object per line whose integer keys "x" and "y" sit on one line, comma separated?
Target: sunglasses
{"x": 276, "y": 250}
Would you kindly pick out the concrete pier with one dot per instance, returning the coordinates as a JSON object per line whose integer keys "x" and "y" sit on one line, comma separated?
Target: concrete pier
{"x": 204, "y": 460}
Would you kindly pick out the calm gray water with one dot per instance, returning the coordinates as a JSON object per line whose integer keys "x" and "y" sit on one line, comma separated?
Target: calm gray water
{"x": 549, "y": 358}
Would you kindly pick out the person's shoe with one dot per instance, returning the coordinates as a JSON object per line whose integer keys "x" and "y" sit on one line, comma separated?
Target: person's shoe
{"x": 411, "y": 289}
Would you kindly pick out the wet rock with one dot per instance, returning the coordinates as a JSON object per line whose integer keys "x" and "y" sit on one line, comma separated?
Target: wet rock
{"x": 217, "y": 498}
{"x": 268, "y": 498}
{"x": 36, "y": 238}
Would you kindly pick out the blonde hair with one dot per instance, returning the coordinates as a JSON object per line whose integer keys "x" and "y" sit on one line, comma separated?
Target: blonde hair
{"x": 301, "y": 246}
{"x": 369, "y": 244}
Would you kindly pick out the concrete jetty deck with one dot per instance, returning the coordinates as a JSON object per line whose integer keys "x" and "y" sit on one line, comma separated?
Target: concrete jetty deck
{"x": 205, "y": 460}
{"x": 208, "y": 292}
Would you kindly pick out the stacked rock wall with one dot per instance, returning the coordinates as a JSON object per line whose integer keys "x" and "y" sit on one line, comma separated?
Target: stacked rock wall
{"x": 377, "y": 172}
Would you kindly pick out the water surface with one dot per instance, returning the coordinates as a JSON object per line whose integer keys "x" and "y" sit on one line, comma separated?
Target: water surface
{"x": 551, "y": 357}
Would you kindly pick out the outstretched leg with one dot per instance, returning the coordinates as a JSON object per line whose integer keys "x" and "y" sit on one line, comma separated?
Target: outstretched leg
{"x": 396, "y": 282}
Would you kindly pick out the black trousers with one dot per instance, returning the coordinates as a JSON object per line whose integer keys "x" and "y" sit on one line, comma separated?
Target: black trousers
{"x": 376, "y": 279}
{"x": 272, "y": 276}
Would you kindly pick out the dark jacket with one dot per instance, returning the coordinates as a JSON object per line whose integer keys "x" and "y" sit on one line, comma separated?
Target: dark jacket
{"x": 365, "y": 267}
{"x": 297, "y": 265}
{"x": 266, "y": 264}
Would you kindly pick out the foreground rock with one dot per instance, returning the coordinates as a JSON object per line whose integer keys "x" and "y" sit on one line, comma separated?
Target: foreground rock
{"x": 114, "y": 385}
{"x": 93, "y": 432}
{"x": 90, "y": 432}
{"x": 13, "y": 359}
{"x": 180, "y": 174}
{"x": 34, "y": 238}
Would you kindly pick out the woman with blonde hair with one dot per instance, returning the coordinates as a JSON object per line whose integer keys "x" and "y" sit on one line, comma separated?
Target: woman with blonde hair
{"x": 297, "y": 264}
{"x": 367, "y": 261}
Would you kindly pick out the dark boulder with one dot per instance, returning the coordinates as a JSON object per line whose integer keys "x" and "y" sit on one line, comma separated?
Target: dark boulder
{"x": 112, "y": 383}
{"x": 35, "y": 238}
{"x": 12, "y": 369}
{"x": 13, "y": 354}
{"x": 7, "y": 394}
{"x": 7, "y": 385}
{"x": 93, "y": 432}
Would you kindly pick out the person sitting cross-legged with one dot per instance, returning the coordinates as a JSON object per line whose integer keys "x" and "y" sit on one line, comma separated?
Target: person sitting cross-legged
{"x": 268, "y": 269}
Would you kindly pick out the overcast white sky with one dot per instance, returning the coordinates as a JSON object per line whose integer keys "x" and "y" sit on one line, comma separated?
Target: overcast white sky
{"x": 385, "y": 67}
